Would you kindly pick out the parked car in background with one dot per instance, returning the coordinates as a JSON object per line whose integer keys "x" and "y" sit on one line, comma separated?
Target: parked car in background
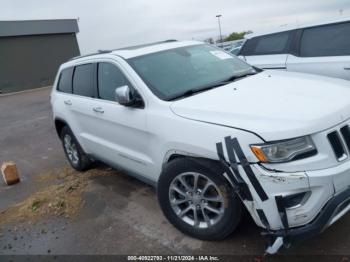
{"x": 229, "y": 45}
{"x": 213, "y": 134}
{"x": 322, "y": 48}
{"x": 225, "y": 45}
{"x": 236, "y": 46}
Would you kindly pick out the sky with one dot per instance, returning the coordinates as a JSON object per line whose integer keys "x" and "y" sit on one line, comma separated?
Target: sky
{"x": 110, "y": 24}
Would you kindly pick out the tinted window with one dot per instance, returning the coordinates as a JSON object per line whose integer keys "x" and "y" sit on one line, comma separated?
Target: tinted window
{"x": 65, "y": 81}
{"x": 109, "y": 78}
{"x": 82, "y": 80}
{"x": 330, "y": 40}
{"x": 272, "y": 44}
{"x": 267, "y": 45}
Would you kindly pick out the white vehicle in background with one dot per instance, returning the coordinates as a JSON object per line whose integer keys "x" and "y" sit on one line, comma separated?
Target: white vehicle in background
{"x": 322, "y": 48}
{"x": 224, "y": 45}
{"x": 229, "y": 45}
{"x": 236, "y": 46}
{"x": 213, "y": 134}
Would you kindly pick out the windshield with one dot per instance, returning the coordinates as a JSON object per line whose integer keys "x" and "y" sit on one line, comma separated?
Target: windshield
{"x": 174, "y": 72}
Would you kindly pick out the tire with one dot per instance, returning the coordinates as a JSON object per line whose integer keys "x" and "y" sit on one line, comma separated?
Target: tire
{"x": 74, "y": 153}
{"x": 219, "y": 225}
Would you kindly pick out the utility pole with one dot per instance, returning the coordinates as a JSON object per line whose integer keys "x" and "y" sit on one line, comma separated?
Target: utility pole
{"x": 219, "y": 16}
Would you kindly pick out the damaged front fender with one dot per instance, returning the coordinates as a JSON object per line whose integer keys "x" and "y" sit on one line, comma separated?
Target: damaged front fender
{"x": 263, "y": 191}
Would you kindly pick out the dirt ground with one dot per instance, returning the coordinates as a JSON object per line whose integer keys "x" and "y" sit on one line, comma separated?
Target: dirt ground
{"x": 55, "y": 210}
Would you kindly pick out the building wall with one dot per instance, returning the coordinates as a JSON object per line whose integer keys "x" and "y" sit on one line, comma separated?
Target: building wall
{"x": 28, "y": 62}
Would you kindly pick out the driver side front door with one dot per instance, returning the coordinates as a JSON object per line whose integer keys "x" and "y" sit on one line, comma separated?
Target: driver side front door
{"x": 118, "y": 134}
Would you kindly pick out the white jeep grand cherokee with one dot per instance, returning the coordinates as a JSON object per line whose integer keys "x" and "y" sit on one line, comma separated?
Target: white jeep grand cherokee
{"x": 213, "y": 134}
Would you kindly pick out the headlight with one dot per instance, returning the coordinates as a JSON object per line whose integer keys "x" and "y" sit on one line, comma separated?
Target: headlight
{"x": 283, "y": 151}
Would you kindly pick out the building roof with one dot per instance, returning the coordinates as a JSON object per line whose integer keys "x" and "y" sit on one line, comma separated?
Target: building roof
{"x": 38, "y": 27}
{"x": 297, "y": 26}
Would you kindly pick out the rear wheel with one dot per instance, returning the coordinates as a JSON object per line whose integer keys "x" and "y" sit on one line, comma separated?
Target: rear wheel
{"x": 74, "y": 153}
{"x": 198, "y": 201}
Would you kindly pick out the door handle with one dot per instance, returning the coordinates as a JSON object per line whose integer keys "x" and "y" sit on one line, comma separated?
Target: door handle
{"x": 98, "y": 110}
{"x": 68, "y": 102}
{"x": 347, "y": 68}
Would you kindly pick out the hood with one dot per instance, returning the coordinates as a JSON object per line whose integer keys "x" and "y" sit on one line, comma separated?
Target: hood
{"x": 273, "y": 104}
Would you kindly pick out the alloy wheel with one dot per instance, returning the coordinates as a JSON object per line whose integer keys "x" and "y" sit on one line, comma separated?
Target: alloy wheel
{"x": 196, "y": 200}
{"x": 71, "y": 149}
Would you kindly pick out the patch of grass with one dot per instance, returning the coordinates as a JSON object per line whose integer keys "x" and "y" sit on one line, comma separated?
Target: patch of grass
{"x": 63, "y": 198}
{"x": 36, "y": 205}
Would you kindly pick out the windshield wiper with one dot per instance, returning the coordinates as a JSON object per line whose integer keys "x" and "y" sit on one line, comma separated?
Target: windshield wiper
{"x": 193, "y": 91}
{"x": 211, "y": 86}
{"x": 236, "y": 77}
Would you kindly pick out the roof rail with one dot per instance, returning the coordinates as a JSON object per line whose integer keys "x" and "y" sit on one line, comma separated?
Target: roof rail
{"x": 104, "y": 51}
{"x": 96, "y": 53}
{"x": 145, "y": 45}
{"x": 124, "y": 48}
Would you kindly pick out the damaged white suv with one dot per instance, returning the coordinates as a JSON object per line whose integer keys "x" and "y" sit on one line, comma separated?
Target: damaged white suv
{"x": 214, "y": 135}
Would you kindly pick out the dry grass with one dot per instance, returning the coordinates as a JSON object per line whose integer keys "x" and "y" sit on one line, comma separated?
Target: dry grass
{"x": 63, "y": 198}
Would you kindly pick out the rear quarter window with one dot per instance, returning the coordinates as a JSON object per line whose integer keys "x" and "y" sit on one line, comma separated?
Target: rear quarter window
{"x": 65, "y": 81}
{"x": 329, "y": 40}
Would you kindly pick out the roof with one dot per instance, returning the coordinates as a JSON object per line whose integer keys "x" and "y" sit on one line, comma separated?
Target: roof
{"x": 38, "y": 27}
{"x": 146, "y": 45}
{"x": 296, "y": 26}
{"x": 134, "y": 51}
{"x": 127, "y": 53}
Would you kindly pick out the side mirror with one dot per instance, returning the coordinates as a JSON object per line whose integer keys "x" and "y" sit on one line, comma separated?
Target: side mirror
{"x": 125, "y": 96}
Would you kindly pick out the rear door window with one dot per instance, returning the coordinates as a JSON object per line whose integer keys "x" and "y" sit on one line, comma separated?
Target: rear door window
{"x": 329, "y": 40}
{"x": 65, "y": 81}
{"x": 83, "y": 80}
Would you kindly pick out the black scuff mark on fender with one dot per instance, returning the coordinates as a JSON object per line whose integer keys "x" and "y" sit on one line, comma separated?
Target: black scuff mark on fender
{"x": 286, "y": 178}
{"x": 274, "y": 179}
{"x": 263, "y": 219}
{"x": 233, "y": 174}
{"x": 233, "y": 147}
{"x": 282, "y": 211}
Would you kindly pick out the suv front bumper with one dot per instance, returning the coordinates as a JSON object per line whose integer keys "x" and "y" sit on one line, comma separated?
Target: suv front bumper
{"x": 266, "y": 194}
{"x": 321, "y": 186}
{"x": 327, "y": 203}
{"x": 335, "y": 208}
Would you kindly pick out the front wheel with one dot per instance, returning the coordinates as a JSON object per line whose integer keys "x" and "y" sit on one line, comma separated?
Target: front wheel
{"x": 198, "y": 201}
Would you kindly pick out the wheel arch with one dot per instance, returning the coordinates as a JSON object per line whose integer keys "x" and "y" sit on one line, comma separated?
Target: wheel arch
{"x": 59, "y": 125}
{"x": 212, "y": 164}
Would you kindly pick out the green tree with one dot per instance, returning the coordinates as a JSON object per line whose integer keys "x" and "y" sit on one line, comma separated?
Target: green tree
{"x": 236, "y": 36}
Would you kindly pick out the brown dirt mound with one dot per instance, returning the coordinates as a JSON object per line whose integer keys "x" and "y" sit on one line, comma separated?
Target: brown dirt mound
{"x": 62, "y": 199}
